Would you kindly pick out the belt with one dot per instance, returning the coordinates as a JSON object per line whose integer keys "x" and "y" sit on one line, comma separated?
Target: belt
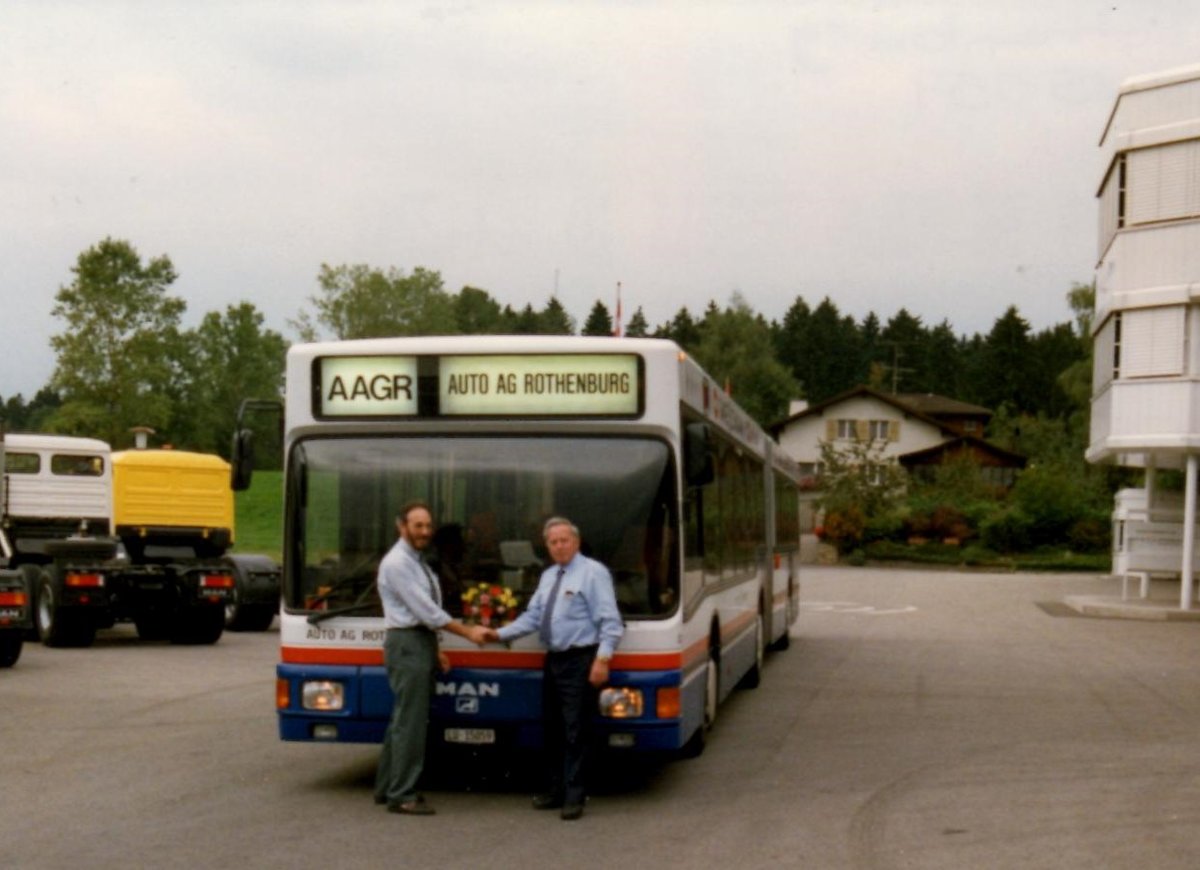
{"x": 590, "y": 649}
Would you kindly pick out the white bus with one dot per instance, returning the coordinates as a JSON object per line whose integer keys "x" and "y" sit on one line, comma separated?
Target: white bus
{"x": 686, "y": 500}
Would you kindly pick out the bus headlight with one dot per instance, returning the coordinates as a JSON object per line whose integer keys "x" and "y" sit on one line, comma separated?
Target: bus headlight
{"x": 323, "y": 695}
{"x": 621, "y": 702}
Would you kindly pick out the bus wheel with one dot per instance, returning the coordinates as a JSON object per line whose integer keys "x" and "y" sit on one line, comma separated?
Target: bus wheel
{"x": 55, "y": 627}
{"x": 10, "y": 648}
{"x": 695, "y": 744}
{"x": 753, "y": 677}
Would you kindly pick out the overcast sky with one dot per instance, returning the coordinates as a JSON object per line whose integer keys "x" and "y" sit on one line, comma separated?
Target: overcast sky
{"x": 941, "y": 156}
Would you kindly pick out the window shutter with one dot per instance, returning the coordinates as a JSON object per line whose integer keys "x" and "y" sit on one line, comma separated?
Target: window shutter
{"x": 830, "y": 430}
{"x": 893, "y": 430}
{"x": 1152, "y": 342}
{"x": 1164, "y": 182}
{"x": 862, "y": 430}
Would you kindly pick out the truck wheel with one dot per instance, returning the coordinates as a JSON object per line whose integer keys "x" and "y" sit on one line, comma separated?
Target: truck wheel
{"x": 151, "y": 625}
{"x": 31, "y": 574}
{"x": 249, "y": 617}
{"x": 10, "y": 648}
{"x": 250, "y": 570}
{"x": 58, "y": 628}
{"x": 198, "y": 625}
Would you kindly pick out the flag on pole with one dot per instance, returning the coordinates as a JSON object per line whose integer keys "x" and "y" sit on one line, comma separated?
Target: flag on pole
{"x": 617, "y": 319}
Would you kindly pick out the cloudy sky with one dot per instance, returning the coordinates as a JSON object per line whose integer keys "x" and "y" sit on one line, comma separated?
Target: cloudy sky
{"x": 941, "y": 156}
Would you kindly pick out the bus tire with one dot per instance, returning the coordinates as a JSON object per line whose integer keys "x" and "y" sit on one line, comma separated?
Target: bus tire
{"x": 57, "y": 627}
{"x": 10, "y": 648}
{"x": 753, "y": 677}
{"x": 712, "y": 685}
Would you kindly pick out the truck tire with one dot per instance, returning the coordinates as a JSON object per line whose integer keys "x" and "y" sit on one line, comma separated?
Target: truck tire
{"x": 248, "y": 617}
{"x": 151, "y": 625}
{"x": 255, "y": 616}
{"x": 10, "y": 648}
{"x": 56, "y": 626}
{"x": 31, "y": 573}
{"x": 198, "y": 625}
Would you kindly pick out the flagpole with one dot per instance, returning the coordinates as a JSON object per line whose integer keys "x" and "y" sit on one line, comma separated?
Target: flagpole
{"x": 617, "y": 319}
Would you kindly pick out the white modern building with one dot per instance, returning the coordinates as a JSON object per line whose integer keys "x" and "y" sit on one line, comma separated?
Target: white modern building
{"x": 1146, "y": 377}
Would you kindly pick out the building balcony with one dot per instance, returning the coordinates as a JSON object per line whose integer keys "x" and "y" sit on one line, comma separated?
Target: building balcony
{"x": 1159, "y": 416}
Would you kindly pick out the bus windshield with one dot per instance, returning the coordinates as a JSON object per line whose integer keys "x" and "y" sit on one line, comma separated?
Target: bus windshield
{"x": 490, "y": 497}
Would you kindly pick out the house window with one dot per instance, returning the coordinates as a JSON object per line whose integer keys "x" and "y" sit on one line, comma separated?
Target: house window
{"x": 881, "y": 430}
{"x": 971, "y": 426}
{"x": 846, "y": 430}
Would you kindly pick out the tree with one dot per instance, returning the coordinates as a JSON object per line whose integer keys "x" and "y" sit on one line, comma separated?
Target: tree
{"x": 736, "y": 349}
{"x": 362, "y": 302}
{"x": 637, "y": 327}
{"x": 17, "y": 415}
{"x": 233, "y": 358}
{"x": 903, "y": 342}
{"x": 119, "y": 355}
{"x": 1005, "y": 363}
{"x": 599, "y": 321}
{"x": 681, "y": 329}
{"x": 477, "y": 313}
{"x": 555, "y": 320}
{"x": 860, "y": 487}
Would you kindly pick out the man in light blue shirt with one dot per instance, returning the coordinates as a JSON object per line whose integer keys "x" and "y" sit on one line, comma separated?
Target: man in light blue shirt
{"x": 574, "y": 611}
{"x": 413, "y": 616}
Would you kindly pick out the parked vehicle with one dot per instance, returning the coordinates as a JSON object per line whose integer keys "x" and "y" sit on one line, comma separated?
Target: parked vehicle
{"x": 138, "y": 535}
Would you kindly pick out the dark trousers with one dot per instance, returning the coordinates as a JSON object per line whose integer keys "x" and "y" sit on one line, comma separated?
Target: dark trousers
{"x": 568, "y": 704}
{"x": 410, "y": 655}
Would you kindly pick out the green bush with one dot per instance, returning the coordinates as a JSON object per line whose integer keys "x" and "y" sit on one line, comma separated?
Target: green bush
{"x": 1090, "y": 535}
{"x": 1007, "y": 532}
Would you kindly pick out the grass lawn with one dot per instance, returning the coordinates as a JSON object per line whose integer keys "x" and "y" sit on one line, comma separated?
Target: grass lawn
{"x": 259, "y": 516}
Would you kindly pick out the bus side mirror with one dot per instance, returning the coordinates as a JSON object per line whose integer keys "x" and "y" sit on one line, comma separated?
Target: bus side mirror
{"x": 697, "y": 454}
{"x": 242, "y": 459}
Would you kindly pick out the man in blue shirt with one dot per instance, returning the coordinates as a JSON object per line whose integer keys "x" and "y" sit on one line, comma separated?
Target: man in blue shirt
{"x": 413, "y": 616}
{"x": 574, "y": 610}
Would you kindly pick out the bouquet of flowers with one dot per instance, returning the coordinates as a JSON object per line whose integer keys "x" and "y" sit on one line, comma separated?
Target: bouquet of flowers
{"x": 489, "y": 604}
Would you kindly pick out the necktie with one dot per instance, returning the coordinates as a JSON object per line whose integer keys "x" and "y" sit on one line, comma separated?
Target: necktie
{"x": 434, "y": 592}
{"x": 548, "y": 610}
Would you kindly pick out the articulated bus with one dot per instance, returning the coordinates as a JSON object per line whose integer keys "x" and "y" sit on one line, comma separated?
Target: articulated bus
{"x": 690, "y": 505}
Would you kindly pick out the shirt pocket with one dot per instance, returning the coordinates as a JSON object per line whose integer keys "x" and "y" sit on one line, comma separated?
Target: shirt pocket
{"x": 577, "y": 606}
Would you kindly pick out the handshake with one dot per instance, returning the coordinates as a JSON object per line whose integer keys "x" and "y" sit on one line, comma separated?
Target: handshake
{"x": 480, "y": 634}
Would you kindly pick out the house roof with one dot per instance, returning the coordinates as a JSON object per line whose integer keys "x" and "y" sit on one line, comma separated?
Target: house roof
{"x": 896, "y": 402}
{"x": 935, "y": 405}
{"x": 1007, "y": 457}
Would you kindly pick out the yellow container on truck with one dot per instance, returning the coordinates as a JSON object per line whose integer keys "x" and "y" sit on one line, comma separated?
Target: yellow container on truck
{"x": 170, "y": 495}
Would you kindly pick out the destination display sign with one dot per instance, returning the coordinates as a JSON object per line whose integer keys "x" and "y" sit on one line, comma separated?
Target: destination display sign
{"x": 368, "y": 386}
{"x": 539, "y": 385}
{"x": 478, "y": 385}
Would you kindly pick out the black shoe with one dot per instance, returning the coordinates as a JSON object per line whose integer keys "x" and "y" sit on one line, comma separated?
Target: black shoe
{"x": 571, "y": 812}
{"x": 412, "y": 808}
{"x": 547, "y": 802}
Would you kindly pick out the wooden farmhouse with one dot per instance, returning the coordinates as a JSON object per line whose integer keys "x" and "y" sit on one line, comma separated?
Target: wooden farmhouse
{"x": 916, "y": 430}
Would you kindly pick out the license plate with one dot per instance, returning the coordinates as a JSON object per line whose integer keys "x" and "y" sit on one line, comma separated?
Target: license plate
{"x": 474, "y": 736}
